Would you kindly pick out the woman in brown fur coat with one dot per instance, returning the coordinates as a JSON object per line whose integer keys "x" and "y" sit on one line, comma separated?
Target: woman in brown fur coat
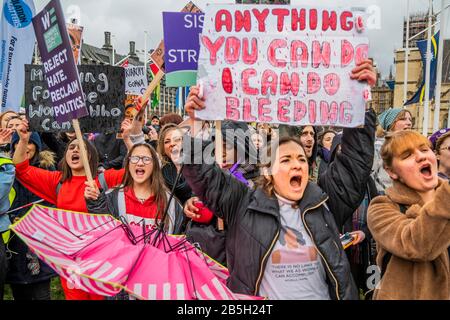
{"x": 411, "y": 224}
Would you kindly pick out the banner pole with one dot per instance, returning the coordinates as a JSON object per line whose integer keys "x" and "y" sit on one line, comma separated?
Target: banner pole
{"x": 437, "y": 108}
{"x": 83, "y": 153}
{"x": 426, "y": 105}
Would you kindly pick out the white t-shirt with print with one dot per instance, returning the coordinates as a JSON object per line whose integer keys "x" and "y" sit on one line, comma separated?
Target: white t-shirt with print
{"x": 294, "y": 270}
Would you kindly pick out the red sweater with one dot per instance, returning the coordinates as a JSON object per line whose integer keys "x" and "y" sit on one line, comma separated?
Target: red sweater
{"x": 43, "y": 183}
{"x": 136, "y": 210}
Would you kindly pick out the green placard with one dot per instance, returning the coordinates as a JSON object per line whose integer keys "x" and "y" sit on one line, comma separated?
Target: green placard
{"x": 52, "y": 38}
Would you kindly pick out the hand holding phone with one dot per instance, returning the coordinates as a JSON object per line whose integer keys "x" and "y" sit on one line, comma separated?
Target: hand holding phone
{"x": 347, "y": 240}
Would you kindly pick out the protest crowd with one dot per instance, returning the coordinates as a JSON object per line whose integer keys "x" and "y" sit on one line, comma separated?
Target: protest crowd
{"x": 322, "y": 211}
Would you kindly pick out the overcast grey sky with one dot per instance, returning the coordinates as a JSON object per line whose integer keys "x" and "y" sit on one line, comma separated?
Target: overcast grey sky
{"x": 127, "y": 20}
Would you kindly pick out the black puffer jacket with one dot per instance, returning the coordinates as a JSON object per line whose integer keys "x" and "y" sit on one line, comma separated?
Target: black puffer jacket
{"x": 24, "y": 266}
{"x": 253, "y": 218}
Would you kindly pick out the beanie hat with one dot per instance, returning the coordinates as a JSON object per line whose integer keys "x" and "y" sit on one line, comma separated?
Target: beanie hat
{"x": 34, "y": 138}
{"x": 435, "y": 137}
{"x": 387, "y": 118}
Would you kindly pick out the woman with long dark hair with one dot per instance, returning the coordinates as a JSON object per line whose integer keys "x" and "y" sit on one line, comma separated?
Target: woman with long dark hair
{"x": 142, "y": 197}
{"x": 64, "y": 188}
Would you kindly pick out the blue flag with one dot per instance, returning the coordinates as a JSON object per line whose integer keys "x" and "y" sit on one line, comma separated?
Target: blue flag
{"x": 17, "y": 41}
{"x": 419, "y": 97}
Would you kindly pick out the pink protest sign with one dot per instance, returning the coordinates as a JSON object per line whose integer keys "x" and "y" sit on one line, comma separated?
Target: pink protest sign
{"x": 283, "y": 64}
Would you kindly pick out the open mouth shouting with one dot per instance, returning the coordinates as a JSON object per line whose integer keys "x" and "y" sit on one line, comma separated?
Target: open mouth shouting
{"x": 75, "y": 158}
{"x": 426, "y": 171}
{"x": 308, "y": 149}
{"x": 140, "y": 172}
{"x": 296, "y": 183}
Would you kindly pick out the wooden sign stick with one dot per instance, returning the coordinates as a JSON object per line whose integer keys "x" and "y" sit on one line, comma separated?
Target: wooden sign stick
{"x": 219, "y": 152}
{"x": 152, "y": 86}
{"x": 83, "y": 153}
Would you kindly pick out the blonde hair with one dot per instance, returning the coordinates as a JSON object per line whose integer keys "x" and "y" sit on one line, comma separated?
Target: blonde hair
{"x": 165, "y": 159}
{"x": 397, "y": 143}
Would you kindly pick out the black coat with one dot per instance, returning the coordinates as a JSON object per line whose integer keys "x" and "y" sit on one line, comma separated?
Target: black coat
{"x": 19, "y": 271}
{"x": 182, "y": 191}
{"x": 253, "y": 218}
{"x": 111, "y": 151}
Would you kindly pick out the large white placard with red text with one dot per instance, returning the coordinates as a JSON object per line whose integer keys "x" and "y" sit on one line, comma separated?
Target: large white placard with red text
{"x": 283, "y": 64}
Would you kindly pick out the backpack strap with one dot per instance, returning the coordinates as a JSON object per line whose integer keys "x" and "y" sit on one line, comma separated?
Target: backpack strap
{"x": 102, "y": 180}
{"x": 387, "y": 257}
{"x": 121, "y": 203}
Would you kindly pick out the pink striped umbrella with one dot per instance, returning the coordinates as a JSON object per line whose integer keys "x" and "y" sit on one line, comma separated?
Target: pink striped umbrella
{"x": 99, "y": 254}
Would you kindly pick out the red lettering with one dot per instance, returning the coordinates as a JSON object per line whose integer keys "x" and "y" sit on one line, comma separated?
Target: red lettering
{"x": 243, "y": 20}
{"x": 296, "y": 56}
{"x": 283, "y": 110}
{"x": 232, "y": 105}
{"x": 227, "y": 81}
{"x": 280, "y": 13}
{"x": 289, "y": 84}
{"x": 312, "y": 111}
{"x": 261, "y": 17}
{"x": 250, "y": 57}
{"x": 248, "y": 117}
{"x": 328, "y": 114}
{"x": 272, "y": 52}
{"x": 299, "y": 111}
{"x": 347, "y": 20}
{"x": 331, "y": 84}
{"x": 329, "y": 20}
{"x": 223, "y": 19}
{"x": 347, "y": 53}
{"x": 361, "y": 53}
{"x": 232, "y": 50}
{"x": 262, "y": 111}
{"x": 298, "y": 20}
{"x": 321, "y": 54}
{"x": 313, "y": 83}
{"x": 213, "y": 47}
{"x": 269, "y": 80}
{"x": 246, "y": 75}
{"x": 346, "y": 117}
{"x": 313, "y": 19}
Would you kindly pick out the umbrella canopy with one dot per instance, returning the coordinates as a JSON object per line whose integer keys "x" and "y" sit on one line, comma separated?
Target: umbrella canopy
{"x": 102, "y": 255}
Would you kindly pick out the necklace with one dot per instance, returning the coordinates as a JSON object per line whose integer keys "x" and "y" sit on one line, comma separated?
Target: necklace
{"x": 141, "y": 200}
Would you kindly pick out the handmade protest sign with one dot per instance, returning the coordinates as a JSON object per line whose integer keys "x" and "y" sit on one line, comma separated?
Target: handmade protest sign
{"x": 104, "y": 88}
{"x": 157, "y": 56}
{"x": 191, "y": 7}
{"x": 66, "y": 93}
{"x": 282, "y": 64}
{"x": 76, "y": 36}
{"x": 181, "y": 40}
{"x": 135, "y": 80}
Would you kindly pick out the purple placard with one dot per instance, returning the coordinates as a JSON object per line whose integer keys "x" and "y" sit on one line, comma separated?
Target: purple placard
{"x": 181, "y": 40}
{"x": 66, "y": 93}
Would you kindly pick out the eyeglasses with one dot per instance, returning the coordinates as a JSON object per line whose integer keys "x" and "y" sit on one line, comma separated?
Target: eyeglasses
{"x": 445, "y": 148}
{"x": 136, "y": 159}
